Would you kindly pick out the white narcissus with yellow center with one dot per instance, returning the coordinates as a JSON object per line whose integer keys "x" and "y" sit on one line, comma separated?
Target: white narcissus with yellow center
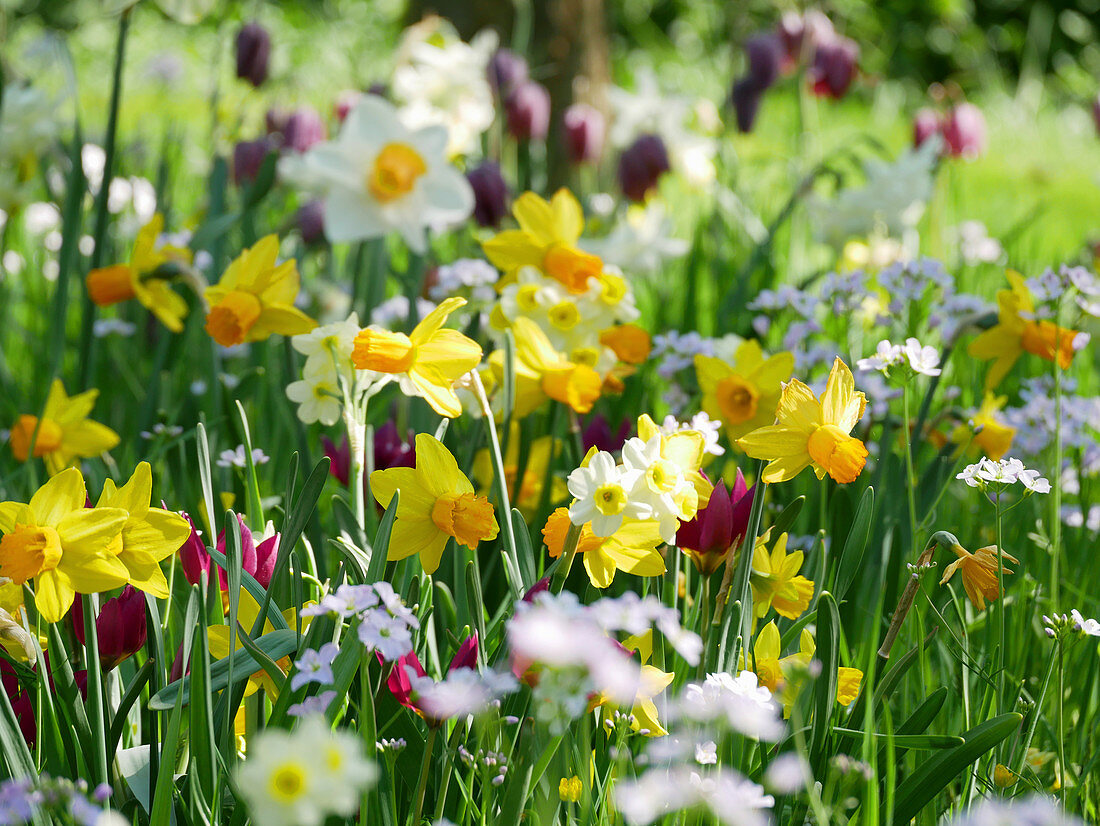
{"x": 378, "y": 177}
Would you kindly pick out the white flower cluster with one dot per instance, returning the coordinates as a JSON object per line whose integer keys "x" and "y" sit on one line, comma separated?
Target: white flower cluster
{"x": 300, "y": 777}
{"x": 645, "y": 486}
{"x": 571, "y": 646}
{"x": 469, "y": 278}
{"x": 1031, "y": 811}
{"x": 702, "y": 423}
{"x": 923, "y": 359}
{"x": 1002, "y": 473}
{"x": 740, "y": 703}
{"x": 572, "y": 321}
{"x": 328, "y": 376}
{"x": 385, "y": 622}
{"x": 640, "y": 242}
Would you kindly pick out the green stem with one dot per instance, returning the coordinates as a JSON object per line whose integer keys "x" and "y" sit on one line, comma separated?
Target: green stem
{"x": 1055, "y": 654}
{"x": 572, "y": 538}
{"x": 1000, "y": 611}
{"x": 425, "y": 767}
{"x": 910, "y": 477}
{"x": 1056, "y": 498}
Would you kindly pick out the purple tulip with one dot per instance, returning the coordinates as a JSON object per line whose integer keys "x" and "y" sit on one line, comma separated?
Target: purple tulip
{"x": 506, "y": 71}
{"x": 303, "y": 129}
{"x": 120, "y": 627}
{"x": 926, "y": 123}
{"x": 834, "y": 67}
{"x": 253, "y": 52}
{"x": 598, "y": 434}
{"x": 583, "y": 132}
{"x": 641, "y": 165}
{"x": 765, "y": 58}
{"x": 719, "y": 527}
{"x": 964, "y": 131}
{"x": 310, "y": 220}
{"x": 745, "y": 98}
{"x": 527, "y": 110}
{"x": 490, "y": 194}
{"x": 248, "y": 158}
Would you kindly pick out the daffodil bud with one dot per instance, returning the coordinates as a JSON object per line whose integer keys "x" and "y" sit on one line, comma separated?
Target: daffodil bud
{"x": 527, "y": 110}
{"x": 490, "y": 194}
{"x": 641, "y": 165}
{"x": 583, "y": 133}
{"x": 253, "y": 53}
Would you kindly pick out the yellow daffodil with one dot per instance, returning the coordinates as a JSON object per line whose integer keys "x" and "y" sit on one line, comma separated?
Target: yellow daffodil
{"x": 437, "y": 503}
{"x": 255, "y": 298}
{"x": 631, "y": 549}
{"x": 427, "y": 362}
{"x": 652, "y": 681}
{"x": 147, "y": 277}
{"x": 979, "y": 573}
{"x": 526, "y": 493}
{"x": 784, "y": 676}
{"x": 991, "y": 435}
{"x": 65, "y": 433}
{"x": 811, "y": 432}
{"x": 775, "y": 581}
{"x": 543, "y": 373}
{"x": 149, "y": 534}
{"x": 62, "y": 546}
{"x": 629, "y": 342}
{"x": 743, "y": 395}
{"x": 547, "y": 240}
{"x": 1018, "y": 332}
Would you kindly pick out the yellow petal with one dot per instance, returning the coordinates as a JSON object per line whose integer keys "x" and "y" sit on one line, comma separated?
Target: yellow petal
{"x": 15, "y": 513}
{"x": 536, "y": 218}
{"x": 438, "y": 393}
{"x": 416, "y": 498}
{"x": 93, "y": 574}
{"x": 280, "y": 319}
{"x": 134, "y": 496}
{"x": 158, "y": 535}
{"x": 636, "y": 561}
{"x": 53, "y": 594}
{"x": 87, "y": 438}
{"x": 434, "y": 462}
{"x": 600, "y": 567}
{"x": 433, "y": 321}
{"x": 773, "y": 442}
{"x": 798, "y": 407}
{"x": 840, "y": 403}
{"x": 512, "y": 249}
{"x": 449, "y": 352}
{"x": 87, "y": 533}
{"x": 432, "y": 552}
{"x": 768, "y": 643}
{"x": 785, "y": 468}
{"x": 60, "y": 496}
{"x": 568, "y": 216}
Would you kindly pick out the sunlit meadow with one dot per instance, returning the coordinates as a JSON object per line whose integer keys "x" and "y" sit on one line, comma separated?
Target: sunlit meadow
{"x": 582, "y": 412}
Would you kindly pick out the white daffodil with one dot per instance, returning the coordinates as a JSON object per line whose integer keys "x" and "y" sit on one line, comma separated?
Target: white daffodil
{"x": 661, "y": 484}
{"x": 602, "y": 491}
{"x": 378, "y": 176}
{"x": 318, "y": 394}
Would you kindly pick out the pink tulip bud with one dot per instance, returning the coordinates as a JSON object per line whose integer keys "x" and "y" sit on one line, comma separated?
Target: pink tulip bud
{"x": 303, "y": 129}
{"x": 834, "y": 67}
{"x": 926, "y": 123}
{"x": 506, "y": 71}
{"x": 248, "y": 158}
{"x": 584, "y": 129}
{"x": 527, "y": 110}
{"x": 964, "y": 131}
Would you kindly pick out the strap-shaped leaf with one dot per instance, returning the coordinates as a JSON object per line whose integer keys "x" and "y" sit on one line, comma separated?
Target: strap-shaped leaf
{"x": 936, "y": 773}
{"x": 828, "y": 652}
{"x": 376, "y": 570}
{"x": 851, "y": 556}
{"x": 276, "y": 645}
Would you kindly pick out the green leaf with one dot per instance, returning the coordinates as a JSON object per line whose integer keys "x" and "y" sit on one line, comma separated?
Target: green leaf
{"x": 786, "y": 518}
{"x": 936, "y": 773}
{"x": 262, "y": 183}
{"x": 909, "y": 741}
{"x": 828, "y": 652}
{"x": 276, "y": 645}
{"x": 376, "y": 570}
{"x": 524, "y": 550}
{"x": 851, "y": 557}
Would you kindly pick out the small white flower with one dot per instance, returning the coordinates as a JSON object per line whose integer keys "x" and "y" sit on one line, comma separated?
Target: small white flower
{"x": 787, "y": 774}
{"x": 318, "y": 394}
{"x": 237, "y": 457}
{"x": 706, "y": 754}
{"x": 317, "y": 704}
{"x": 461, "y": 693}
{"x": 388, "y": 635}
{"x": 314, "y": 666}
{"x": 1085, "y": 626}
{"x": 923, "y": 360}
{"x": 602, "y": 492}
{"x": 886, "y": 356}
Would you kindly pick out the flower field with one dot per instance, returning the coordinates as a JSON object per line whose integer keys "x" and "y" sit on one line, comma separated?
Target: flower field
{"x": 582, "y": 412}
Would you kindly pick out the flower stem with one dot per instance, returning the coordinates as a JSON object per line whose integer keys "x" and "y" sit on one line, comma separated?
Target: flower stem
{"x": 910, "y": 478}
{"x": 425, "y": 767}
{"x": 572, "y": 538}
{"x": 1000, "y": 611}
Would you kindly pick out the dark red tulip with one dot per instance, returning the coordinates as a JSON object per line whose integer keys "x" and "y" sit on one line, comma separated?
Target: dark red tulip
{"x": 490, "y": 194}
{"x": 598, "y": 434}
{"x": 641, "y": 165}
{"x": 583, "y": 133}
{"x": 257, "y": 560}
{"x": 527, "y": 110}
{"x": 120, "y": 626}
{"x": 834, "y": 67}
{"x": 253, "y": 52}
{"x": 303, "y": 129}
{"x": 765, "y": 58}
{"x": 248, "y": 158}
{"x": 745, "y": 98}
{"x": 964, "y": 131}
{"x": 719, "y": 527}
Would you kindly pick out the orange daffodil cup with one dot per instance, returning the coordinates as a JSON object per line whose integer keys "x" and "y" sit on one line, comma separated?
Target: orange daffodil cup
{"x": 64, "y": 433}
{"x": 255, "y": 298}
{"x": 812, "y": 432}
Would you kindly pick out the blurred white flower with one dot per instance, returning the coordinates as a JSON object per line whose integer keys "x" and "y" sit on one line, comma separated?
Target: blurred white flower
{"x": 724, "y": 794}
{"x": 923, "y": 360}
{"x": 378, "y": 176}
{"x": 1032, "y": 811}
{"x": 640, "y": 242}
{"x": 886, "y": 356}
{"x": 463, "y": 692}
{"x": 1085, "y": 626}
{"x": 788, "y": 773}
{"x": 238, "y": 458}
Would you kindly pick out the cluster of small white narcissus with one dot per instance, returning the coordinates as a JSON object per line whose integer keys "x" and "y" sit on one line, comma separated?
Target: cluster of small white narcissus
{"x": 1003, "y": 472}
{"x": 658, "y": 480}
{"x": 327, "y": 372}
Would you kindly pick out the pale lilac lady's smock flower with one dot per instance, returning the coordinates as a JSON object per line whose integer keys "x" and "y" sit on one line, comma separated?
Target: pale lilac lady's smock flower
{"x": 1083, "y": 625}
{"x": 315, "y": 666}
{"x": 922, "y": 359}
